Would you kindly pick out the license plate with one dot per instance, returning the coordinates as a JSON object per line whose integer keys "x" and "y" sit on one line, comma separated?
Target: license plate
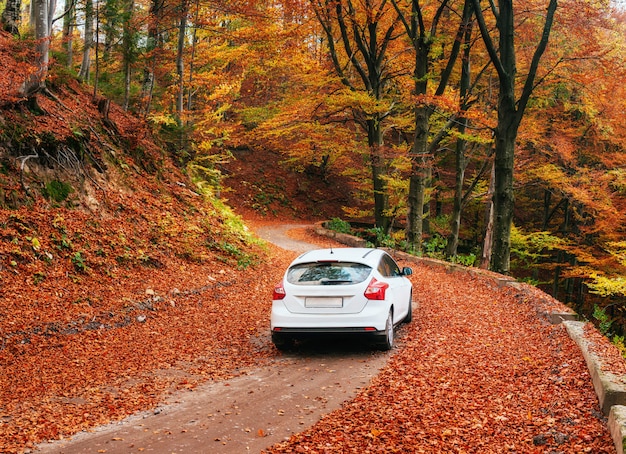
{"x": 323, "y": 302}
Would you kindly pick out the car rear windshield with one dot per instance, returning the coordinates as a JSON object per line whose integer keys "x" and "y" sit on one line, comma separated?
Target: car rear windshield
{"x": 328, "y": 273}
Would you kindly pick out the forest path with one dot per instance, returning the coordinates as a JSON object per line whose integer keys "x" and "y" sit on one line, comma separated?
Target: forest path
{"x": 248, "y": 413}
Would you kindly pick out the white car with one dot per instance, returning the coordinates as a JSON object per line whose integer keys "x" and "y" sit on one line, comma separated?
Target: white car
{"x": 341, "y": 290}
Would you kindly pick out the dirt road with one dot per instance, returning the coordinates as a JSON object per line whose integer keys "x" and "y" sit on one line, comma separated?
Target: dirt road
{"x": 247, "y": 413}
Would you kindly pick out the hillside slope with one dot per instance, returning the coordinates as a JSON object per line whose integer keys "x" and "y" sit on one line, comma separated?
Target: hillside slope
{"x": 113, "y": 268}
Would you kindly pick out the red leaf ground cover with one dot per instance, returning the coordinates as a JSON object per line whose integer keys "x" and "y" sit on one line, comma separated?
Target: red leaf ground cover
{"x": 477, "y": 372}
{"x": 54, "y": 384}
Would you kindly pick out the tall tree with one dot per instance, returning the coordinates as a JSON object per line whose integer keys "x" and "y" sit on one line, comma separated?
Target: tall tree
{"x": 180, "y": 62}
{"x": 85, "y": 66}
{"x": 422, "y": 37}
{"x": 69, "y": 19}
{"x": 129, "y": 48}
{"x": 152, "y": 45}
{"x": 464, "y": 36}
{"x": 510, "y": 113}
{"x": 365, "y": 35}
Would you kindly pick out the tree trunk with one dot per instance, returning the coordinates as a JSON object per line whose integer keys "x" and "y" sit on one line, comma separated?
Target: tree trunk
{"x": 147, "y": 86}
{"x": 85, "y": 66}
{"x": 457, "y": 208}
{"x": 52, "y": 6}
{"x": 68, "y": 31}
{"x": 503, "y": 195}
{"x": 421, "y": 38}
{"x": 194, "y": 45}
{"x": 488, "y": 241}
{"x": 561, "y": 256}
{"x": 96, "y": 77}
{"x": 180, "y": 63}
{"x": 381, "y": 198}
{"x": 505, "y": 137}
{"x": 11, "y": 16}
{"x": 127, "y": 82}
{"x": 365, "y": 46}
{"x": 36, "y": 82}
{"x": 128, "y": 45}
{"x": 428, "y": 192}
{"x": 420, "y": 161}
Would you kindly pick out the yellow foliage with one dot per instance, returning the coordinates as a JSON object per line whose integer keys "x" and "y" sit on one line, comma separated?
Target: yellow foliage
{"x": 163, "y": 119}
{"x": 607, "y": 286}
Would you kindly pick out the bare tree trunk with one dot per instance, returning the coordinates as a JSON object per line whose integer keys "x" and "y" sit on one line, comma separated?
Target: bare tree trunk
{"x": 96, "y": 77}
{"x": 147, "y": 88}
{"x": 153, "y": 41}
{"x": 194, "y": 42}
{"x": 378, "y": 167}
{"x": 457, "y": 208}
{"x": 128, "y": 42}
{"x": 11, "y": 16}
{"x": 52, "y": 6}
{"x": 488, "y": 241}
{"x": 180, "y": 63}
{"x": 37, "y": 81}
{"x": 68, "y": 31}
{"x": 420, "y": 161}
{"x": 85, "y": 66}
{"x": 417, "y": 182}
{"x": 503, "y": 197}
{"x": 127, "y": 82}
{"x": 422, "y": 39}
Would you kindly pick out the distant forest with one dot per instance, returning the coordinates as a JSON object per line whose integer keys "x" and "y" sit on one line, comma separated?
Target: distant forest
{"x": 486, "y": 132}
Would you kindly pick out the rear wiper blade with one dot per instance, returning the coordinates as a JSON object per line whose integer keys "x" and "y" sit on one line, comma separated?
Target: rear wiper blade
{"x": 326, "y": 281}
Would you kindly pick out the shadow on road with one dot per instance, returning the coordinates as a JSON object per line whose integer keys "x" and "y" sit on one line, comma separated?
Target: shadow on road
{"x": 336, "y": 346}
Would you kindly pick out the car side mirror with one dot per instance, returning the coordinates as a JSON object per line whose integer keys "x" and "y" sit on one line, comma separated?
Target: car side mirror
{"x": 406, "y": 271}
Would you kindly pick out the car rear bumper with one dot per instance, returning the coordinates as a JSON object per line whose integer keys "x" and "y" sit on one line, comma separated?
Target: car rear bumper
{"x": 371, "y": 319}
{"x": 339, "y": 330}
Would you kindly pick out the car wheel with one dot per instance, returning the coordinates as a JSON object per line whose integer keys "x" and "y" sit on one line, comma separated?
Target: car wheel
{"x": 409, "y": 314}
{"x": 387, "y": 343}
{"x": 281, "y": 341}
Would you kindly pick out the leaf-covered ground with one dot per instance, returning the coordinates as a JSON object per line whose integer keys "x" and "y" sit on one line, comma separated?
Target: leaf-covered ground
{"x": 477, "y": 370}
{"x": 76, "y": 353}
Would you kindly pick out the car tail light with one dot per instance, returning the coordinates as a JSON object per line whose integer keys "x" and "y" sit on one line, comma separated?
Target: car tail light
{"x": 376, "y": 290}
{"x": 279, "y": 291}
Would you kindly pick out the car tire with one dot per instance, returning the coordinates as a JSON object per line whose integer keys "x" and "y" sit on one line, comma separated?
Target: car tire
{"x": 387, "y": 343}
{"x": 281, "y": 341}
{"x": 409, "y": 314}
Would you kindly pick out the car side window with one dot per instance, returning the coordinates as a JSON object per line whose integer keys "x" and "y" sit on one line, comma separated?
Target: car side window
{"x": 388, "y": 267}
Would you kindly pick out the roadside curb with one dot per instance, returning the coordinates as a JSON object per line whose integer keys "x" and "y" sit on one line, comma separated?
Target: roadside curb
{"x": 344, "y": 238}
{"x": 610, "y": 388}
{"x": 617, "y": 426}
